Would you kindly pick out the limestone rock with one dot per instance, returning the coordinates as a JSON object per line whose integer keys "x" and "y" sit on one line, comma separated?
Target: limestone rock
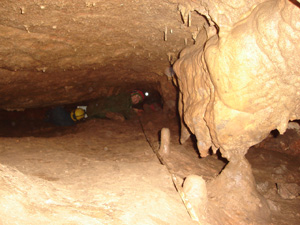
{"x": 195, "y": 191}
{"x": 232, "y": 84}
{"x": 57, "y": 52}
{"x": 165, "y": 142}
{"x": 288, "y": 190}
{"x": 234, "y": 193}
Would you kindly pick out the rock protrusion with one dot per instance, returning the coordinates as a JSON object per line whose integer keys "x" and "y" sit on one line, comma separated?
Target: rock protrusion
{"x": 165, "y": 142}
{"x": 195, "y": 191}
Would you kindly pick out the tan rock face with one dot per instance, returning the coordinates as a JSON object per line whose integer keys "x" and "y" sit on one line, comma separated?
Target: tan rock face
{"x": 60, "y": 52}
{"x": 231, "y": 80}
{"x": 241, "y": 83}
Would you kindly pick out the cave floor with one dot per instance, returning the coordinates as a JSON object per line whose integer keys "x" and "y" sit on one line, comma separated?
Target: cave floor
{"x": 106, "y": 172}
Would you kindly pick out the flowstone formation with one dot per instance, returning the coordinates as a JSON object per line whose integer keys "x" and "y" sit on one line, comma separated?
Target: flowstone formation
{"x": 237, "y": 83}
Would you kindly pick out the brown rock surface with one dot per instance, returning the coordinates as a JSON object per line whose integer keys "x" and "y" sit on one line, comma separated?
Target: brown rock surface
{"x": 60, "y": 52}
{"x": 238, "y": 78}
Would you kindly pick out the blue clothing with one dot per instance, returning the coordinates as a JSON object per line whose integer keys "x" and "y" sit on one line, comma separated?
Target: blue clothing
{"x": 60, "y": 117}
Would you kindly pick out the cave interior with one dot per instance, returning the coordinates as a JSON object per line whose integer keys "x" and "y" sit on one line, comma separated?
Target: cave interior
{"x": 110, "y": 170}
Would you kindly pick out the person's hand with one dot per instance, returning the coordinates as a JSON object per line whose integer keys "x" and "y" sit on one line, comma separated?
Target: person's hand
{"x": 115, "y": 116}
{"x": 138, "y": 111}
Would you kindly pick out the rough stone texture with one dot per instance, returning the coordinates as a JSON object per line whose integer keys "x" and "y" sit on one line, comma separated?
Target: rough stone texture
{"x": 59, "y": 52}
{"x": 96, "y": 173}
{"x": 289, "y": 145}
{"x": 288, "y": 191}
{"x": 195, "y": 191}
{"x": 234, "y": 193}
{"x": 231, "y": 93}
{"x": 232, "y": 82}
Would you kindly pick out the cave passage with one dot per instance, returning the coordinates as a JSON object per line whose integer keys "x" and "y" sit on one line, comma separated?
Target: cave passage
{"x": 217, "y": 68}
{"x": 39, "y": 122}
{"x": 107, "y": 169}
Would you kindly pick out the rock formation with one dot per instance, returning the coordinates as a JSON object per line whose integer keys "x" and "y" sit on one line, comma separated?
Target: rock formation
{"x": 232, "y": 84}
{"x": 238, "y": 74}
{"x": 63, "y": 52}
{"x": 240, "y": 81}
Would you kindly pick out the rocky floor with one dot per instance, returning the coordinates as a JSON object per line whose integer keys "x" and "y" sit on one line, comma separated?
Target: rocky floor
{"x": 106, "y": 172}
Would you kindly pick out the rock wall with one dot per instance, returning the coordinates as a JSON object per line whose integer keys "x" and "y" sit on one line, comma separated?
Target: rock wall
{"x": 241, "y": 79}
{"x": 237, "y": 83}
{"x": 61, "y": 52}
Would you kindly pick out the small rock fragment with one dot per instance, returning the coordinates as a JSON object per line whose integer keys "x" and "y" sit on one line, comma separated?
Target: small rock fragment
{"x": 273, "y": 206}
{"x": 263, "y": 187}
{"x": 288, "y": 190}
{"x": 280, "y": 170}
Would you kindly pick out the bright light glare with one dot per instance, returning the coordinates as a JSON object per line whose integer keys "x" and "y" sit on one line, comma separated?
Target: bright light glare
{"x": 146, "y": 93}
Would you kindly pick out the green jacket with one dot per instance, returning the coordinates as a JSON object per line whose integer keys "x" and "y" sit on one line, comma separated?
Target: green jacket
{"x": 120, "y": 103}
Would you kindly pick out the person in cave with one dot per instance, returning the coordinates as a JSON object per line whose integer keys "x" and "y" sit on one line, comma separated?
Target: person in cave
{"x": 117, "y": 107}
{"x": 60, "y": 116}
{"x": 153, "y": 102}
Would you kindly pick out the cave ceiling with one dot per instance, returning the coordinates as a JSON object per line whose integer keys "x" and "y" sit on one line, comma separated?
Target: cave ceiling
{"x": 59, "y": 52}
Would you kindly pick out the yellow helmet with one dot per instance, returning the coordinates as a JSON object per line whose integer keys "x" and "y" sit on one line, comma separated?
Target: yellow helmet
{"x": 77, "y": 114}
